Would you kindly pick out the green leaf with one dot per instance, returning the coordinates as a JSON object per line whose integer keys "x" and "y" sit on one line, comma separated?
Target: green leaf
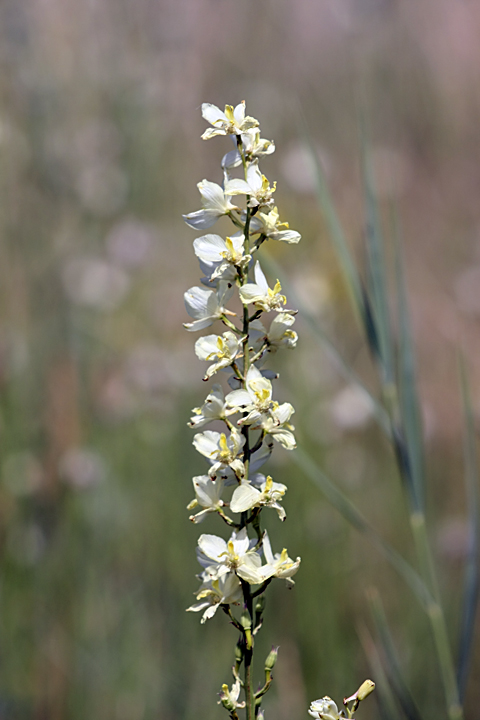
{"x": 393, "y": 668}
{"x": 389, "y": 709}
{"x": 411, "y": 426}
{"x": 376, "y": 291}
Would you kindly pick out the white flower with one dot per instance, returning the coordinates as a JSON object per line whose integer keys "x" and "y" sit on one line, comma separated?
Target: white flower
{"x": 263, "y": 412}
{"x": 229, "y": 698}
{"x": 253, "y": 146}
{"x": 231, "y": 122}
{"x": 221, "y": 451}
{"x": 220, "y": 253}
{"x": 279, "y": 334}
{"x": 205, "y": 306}
{"x": 260, "y": 294}
{"x": 208, "y": 495}
{"x": 212, "y": 409}
{"x": 246, "y": 496}
{"x": 269, "y": 224}
{"x": 235, "y": 556}
{"x": 256, "y": 186}
{"x": 256, "y": 398}
{"x": 278, "y": 565}
{"x": 277, "y": 425}
{"x": 215, "y": 204}
{"x": 222, "y": 349}
{"x": 257, "y": 460}
{"x": 324, "y": 709}
{"x": 226, "y": 590}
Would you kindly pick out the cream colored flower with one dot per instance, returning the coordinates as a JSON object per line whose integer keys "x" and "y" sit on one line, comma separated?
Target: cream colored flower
{"x": 215, "y": 204}
{"x": 222, "y": 349}
{"x": 260, "y": 294}
{"x": 231, "y": 122}
{"x": 256, "y": 186}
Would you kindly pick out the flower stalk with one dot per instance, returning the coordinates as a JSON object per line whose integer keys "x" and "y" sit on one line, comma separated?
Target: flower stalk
{"x": 237, "y": 572}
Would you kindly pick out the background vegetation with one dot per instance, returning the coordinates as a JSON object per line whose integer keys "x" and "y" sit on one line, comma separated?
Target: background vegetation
{"x": 100, "y": 153}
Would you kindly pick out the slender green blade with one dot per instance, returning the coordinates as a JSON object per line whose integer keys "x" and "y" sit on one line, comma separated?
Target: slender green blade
{"x": 376, "y": 270}
{"x": 393, "y": 668}
{"x": 471, "y": 580}
{"x": 389, "y": 709}
{"x": 411, "y": 426}
{"x": 348, "y": 510}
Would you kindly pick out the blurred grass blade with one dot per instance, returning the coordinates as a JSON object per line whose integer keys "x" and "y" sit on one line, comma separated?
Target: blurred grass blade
{"x": 376, "y": 272}
{"x": 337, "y": 235}
{"x": 389, "y": 709}
{"x": 344, "y": 368}
{"x": 471, "y": 582}
{"x": 348, "y": 510}
{"x": 393, "y": 669}
{"x": 409, "y": 401}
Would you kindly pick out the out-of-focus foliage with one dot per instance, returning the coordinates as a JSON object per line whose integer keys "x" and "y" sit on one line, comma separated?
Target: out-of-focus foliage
{"x": 99, "y": 156}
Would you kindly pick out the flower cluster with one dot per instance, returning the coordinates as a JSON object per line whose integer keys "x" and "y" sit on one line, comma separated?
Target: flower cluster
{"x": 248, "y": 420}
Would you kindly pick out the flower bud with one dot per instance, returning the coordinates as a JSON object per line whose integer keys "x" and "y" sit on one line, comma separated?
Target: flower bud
{"x": 238, "y": 654}
{"x": 246, "y": 623}
{"x": 365, "y": 689}
{"x": 246, "y": 620}
{"x": 271, "y": 659}
{"x": 260, "y": 604}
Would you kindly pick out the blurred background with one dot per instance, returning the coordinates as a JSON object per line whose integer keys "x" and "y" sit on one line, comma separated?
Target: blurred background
{"x": 100, "y": 153}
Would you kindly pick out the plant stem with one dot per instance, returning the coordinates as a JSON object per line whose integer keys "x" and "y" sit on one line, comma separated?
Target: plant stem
{"x": 248, "y": 657}
{"x": 436, "y": 616}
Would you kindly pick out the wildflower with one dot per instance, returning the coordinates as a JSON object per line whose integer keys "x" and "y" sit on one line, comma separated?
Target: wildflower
{"x": 221, "y": 254}
{"x": 207, "y": 494}
{"x": 221, "y": 451}
{"x": 256, "y": 399}
{"x": 226, "y": 590}
{"x": 253, "y": 146}
{"x": 280, "y": 335}
{"x": 324, "y": 709}
{"x": 229, "y": 698}
{"x": 235, "y": 556}
{"x": 212, "y": 409}
{"x": 231, "y": 122}
{"x": 246, "y": 497}
{"x": 278, "y": 426}
{"x": 278, "y": 565}
{"x": 260, "y": 294}
{"x": 269, "y": 224}
{"x": 222, "y": 349}
{"x": 215, "y": 201}
{"x": 205, "y": 306}
{"x": 256, "y": 186}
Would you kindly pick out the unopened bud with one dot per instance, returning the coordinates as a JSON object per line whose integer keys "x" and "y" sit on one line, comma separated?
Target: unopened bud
{"x": 238, "y": 654}
{"x": 246, "y": 620}
{"x": 271, "y": 659}
{"x": 246, "y": 623}
{"x": 365, "y": 689}
{"x": 260, "y": 604}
